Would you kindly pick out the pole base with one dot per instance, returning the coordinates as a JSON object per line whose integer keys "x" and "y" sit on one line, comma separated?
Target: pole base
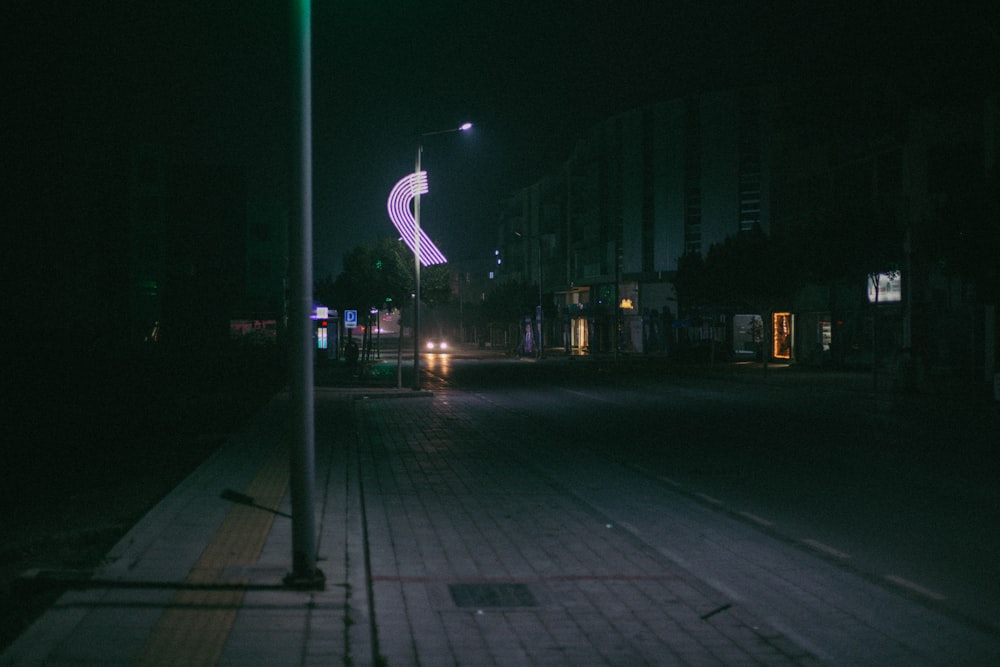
{"x": 309, "y": 580}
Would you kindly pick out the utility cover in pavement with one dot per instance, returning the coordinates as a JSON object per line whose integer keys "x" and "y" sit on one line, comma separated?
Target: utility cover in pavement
{"x": 492, "y": 595}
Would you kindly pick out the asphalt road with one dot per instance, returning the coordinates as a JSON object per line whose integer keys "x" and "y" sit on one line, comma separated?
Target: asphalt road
{"x": 901, "y": 490}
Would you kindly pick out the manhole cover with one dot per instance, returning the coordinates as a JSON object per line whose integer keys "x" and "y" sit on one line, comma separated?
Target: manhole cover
{"x": 492, "y": 595}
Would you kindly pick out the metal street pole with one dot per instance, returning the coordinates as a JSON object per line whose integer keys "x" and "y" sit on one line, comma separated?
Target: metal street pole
{"x": 416, "y": 280}
{"x": 541, "y": 328}
{"x": 304, "y": 573}
{"x": 416, "y": 256}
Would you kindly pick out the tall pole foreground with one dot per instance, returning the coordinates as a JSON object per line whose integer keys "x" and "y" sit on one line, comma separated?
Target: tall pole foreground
{"x": 304, "y": 574}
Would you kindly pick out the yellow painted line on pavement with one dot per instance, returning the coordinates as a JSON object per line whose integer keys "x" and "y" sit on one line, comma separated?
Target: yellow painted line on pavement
{"x": 196, "y": 624}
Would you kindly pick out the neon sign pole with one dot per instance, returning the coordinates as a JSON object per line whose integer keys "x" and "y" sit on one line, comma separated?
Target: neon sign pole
{"x": 407, "y": 189}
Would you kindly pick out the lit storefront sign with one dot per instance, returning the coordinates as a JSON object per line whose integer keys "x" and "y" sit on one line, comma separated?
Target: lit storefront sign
{"x": 781, "y": 340}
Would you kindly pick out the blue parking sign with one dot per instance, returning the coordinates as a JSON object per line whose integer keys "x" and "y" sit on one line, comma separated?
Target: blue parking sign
{"x": 350, "y": 319}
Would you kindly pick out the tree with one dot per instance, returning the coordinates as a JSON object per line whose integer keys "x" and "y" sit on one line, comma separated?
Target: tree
{"x": 746, "y": 272}
{"x": 750, "y": 271}
{"x": 844, "y": 243}
{"x": 507, "y": 303}
{"x": 961, "y": 238}
{"x": 690, "y": 282}
{"x": 435, "y": 285}
{"x": 382, "y": 273}
{"x": 373, "y": 275}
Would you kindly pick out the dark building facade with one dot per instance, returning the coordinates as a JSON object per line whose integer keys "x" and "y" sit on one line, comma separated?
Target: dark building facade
{"x": 201, "y": 253}
{"x": 876, "y": 201}
{"x": 643, "y": 189}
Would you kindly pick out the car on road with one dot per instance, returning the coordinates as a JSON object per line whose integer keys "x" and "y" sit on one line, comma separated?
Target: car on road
{"x": 436, "y": 346}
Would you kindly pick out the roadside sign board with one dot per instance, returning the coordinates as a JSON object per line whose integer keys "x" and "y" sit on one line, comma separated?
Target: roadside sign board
{"x": 350, "y": 319}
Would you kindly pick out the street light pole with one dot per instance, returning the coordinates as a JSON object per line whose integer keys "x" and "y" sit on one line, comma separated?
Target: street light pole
{"x": 416, "y": 256}
{"x": 541, "y": 329}
{"x": 304, "y": 574}
{"x": 416, "y": 280}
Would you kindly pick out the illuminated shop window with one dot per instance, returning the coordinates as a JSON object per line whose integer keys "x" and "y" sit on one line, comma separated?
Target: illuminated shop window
{"x": 781, "y": 325}
{"x": 885, "y": 288}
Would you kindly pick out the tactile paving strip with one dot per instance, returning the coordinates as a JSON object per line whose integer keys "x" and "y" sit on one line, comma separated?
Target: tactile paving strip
{"x": 194, "y": 628}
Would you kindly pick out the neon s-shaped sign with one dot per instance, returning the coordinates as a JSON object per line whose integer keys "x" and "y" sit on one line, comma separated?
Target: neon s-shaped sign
{"x": 402, "y": 194}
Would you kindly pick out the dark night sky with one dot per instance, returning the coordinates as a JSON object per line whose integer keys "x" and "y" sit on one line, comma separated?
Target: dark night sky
{"x": 212, "y": 80}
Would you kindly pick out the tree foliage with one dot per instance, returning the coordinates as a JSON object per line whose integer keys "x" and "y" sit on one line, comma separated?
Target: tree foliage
{"x": 382, "y": 273}
{"x": 690, "y": 282}
{"x": 509, "y": 302}
{"x": 435, "y": 285}
{"x": 846, "y": 235}
{"x": 961, "y": 237}
{"x": 373, "y": 275}
{"x": 746, "y": 271}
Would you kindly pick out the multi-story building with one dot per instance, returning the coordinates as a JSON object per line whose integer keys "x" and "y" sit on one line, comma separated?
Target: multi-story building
{"x": 881, "y": 182}
{"x": 899, "y": 190}
{"x": 603, "y": 236}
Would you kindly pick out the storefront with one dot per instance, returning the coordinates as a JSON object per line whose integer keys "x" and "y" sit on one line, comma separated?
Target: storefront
{"x": 749, "y": 337}
{"x": 782, "y": 335}
{"x": 573, "y": 312}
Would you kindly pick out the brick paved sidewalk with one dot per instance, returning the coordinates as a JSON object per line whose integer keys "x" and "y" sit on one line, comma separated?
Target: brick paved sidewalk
{"x": 452, "y": 534}
{"x": 478, "y": 559}
{"x": 198, "y": 581}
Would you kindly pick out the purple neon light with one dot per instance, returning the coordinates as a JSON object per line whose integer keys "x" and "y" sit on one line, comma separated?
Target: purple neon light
{"x": 399, "y": 212}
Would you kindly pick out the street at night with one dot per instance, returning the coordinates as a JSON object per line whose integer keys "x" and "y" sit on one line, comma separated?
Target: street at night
{"x": 520, "y": 333}
{"x": 898, "y": 490}
{"x": 582, "y": 511}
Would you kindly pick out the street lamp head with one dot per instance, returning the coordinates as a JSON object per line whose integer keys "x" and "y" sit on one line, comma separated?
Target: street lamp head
{"x": 461, "y": 128}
